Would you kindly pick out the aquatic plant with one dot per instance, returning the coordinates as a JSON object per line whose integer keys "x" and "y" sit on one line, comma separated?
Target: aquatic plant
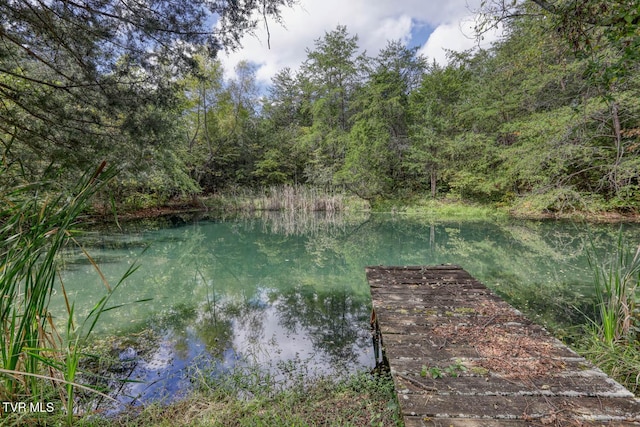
{"x": 612, "y": 341}
{"x": 287, "y": 198}
{"x": 620, "y": 361}
{"x": 616, "y": 282}
{"x": 36, "y": 223}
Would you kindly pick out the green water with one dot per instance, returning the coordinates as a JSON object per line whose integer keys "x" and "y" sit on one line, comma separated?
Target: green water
{"x": 281, "y": 289}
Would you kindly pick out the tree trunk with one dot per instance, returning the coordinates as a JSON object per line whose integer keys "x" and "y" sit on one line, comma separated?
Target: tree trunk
{"x": 434, "y": 181}
{"x": 617, "y": 135}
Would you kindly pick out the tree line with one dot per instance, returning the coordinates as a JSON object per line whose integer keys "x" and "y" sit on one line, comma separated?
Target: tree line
{"x": 544, "y": 119}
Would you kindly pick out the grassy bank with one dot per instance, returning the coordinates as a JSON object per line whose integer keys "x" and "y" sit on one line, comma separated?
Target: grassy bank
{"x": 303, "y": 198}
{"x": 251, "y": 399}
{"x": 440, "y": 209}
{"x": 461, "y": 209}
{"x": 362, "y": 400}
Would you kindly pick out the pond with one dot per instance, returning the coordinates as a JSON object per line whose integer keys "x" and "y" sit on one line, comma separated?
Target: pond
{"x": 288, "y": 292}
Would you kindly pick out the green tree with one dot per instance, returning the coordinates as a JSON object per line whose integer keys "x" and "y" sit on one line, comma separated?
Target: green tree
{"x": 586, "y": 54}
{"x": 515, "y": 110}
{"x": 434, "y": 123}
{"x": 81, "y": 81}
{"x": 329, "y": 78}
{"x": 284, "y": 121}
{"x": 203, "y": 90}
{"x": 379, "y": 136}
{"x": 606, "y": 34}
{"x": 224, "y": 125}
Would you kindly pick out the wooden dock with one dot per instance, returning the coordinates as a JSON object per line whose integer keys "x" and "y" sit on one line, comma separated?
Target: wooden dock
{"x": 460, "y": 356}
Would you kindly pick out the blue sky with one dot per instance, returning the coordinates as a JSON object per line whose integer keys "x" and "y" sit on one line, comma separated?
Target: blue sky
{"x": 420, "y": 33}
{"x": 432, "y": 25}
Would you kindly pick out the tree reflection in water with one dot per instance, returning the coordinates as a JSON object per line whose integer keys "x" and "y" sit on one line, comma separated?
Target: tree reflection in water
{"x": 326, "y": 332}
{"x": 270, "y": 290}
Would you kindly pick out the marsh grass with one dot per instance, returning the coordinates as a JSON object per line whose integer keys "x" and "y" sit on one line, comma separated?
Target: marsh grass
{"x": 616, "y": 282}
{"x": 620, "y": 361}
{"x": 613, "y": 338}
{"x": 36, "y": 222}
{"x": 309, "y": 223}
{"x": 288, "y": 198}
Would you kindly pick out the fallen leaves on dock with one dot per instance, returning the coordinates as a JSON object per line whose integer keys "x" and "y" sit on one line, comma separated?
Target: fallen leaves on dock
{"x": 503, "y": 343}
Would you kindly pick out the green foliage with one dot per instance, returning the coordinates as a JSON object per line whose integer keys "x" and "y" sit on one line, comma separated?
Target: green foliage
{"x": 360, "y": 400}
{"x": 379, "y": 136}
{"x": 329, "y": 79}
{"x": 35, "y": 227}
{"x": 605, "y": 32}
{"x": 285, "y": 120}
{"x": 453, "y": 370}
{"x": 365, "y": 168}
{"x": 526, "y": 123}
{"x": 616, "y": 282}
{"x": 540, "y": 157}
{"x": 433, "y": 110}
{"x": 103, "y": 80}
{"x": 612, "y": 335}
{"x": 435, "y": 372}
{"x": 222, "y": 125}
{"x": 621, "y": 362}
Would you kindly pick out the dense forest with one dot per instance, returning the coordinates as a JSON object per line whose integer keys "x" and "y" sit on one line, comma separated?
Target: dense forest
{"x": 546, "y": 119}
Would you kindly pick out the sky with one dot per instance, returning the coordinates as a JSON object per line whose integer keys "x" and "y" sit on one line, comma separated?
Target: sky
{"x": 431, "y": 25}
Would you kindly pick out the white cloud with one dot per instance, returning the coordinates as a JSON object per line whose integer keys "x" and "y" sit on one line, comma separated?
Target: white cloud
{"x": 374, "y": 21}
{"x": 457, "y": 36}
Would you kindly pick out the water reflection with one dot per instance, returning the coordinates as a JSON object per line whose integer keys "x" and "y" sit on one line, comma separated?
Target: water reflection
{"x": 324, "y": 331}
{"x": 278, "y": 288}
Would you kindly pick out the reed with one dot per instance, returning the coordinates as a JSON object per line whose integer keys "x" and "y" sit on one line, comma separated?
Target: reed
{"x": 300, "y": 198}
{"x": 34, "y": 226}
{"x": 288, "y": 198}
{"x": 616, "y": 281}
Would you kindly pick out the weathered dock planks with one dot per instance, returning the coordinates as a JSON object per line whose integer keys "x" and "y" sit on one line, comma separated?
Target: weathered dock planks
{"x": 460, "y": 356}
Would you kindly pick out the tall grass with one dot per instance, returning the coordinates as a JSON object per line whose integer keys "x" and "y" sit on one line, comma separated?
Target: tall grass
{"x": 613, "y": 341}
{"x": 35, "y": 224}
{"x": 300, "y": 198}
{"x": 249, "y": 398}
{"x": 289, "y": 198}
{"x": 616, "y": 282}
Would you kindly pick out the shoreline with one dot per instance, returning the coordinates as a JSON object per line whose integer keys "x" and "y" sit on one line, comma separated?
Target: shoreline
{"x": 434, "y": 208}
